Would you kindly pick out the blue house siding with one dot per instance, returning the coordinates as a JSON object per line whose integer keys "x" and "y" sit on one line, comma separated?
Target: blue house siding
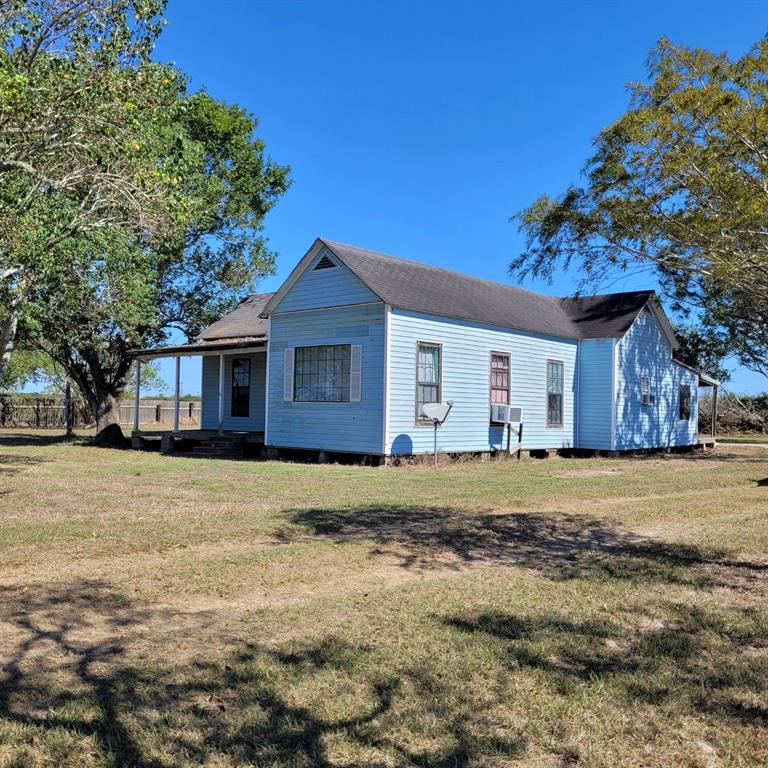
{"x": 325, "y": 288}
{"x": 645, "y": 352}
{"x": 595, "y": 397}
{"x": 351, "y": 427}
{"x": 210, "y": 390}
{"x": 466, "y": 350}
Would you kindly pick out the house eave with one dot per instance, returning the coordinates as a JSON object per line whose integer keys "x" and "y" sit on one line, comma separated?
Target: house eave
{"x": 255, "y": 343}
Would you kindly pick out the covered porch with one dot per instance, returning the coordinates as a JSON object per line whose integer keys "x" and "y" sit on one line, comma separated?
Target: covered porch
{"x": 233, "y": 399}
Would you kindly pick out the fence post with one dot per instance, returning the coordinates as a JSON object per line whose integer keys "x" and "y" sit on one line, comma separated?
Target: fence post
{"x": 37, "y": 413}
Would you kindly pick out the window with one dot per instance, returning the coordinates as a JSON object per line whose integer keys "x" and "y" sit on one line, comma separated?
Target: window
{"x": 685, "y": 402}
{"x": 322, "y": 374}
{"x": 645, "y": 391}
{"x": 241, "y": 387}
{"x": 428, "y": 377}
{"x": 499, "y": 379}
{"x": 554, "y": 393}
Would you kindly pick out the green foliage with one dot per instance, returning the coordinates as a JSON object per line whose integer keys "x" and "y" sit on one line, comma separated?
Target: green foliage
{"x": 26, "y": 367}
{"x": 703, "y": 349}
{"x": 677, "y": 185}
{"x": 143, "y": 214}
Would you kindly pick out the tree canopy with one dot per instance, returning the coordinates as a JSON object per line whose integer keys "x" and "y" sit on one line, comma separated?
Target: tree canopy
{"x": 676, "y": 186}
{"x": 130, "y": 206}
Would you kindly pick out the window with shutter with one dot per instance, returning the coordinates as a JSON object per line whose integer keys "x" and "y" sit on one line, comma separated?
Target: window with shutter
{"x": 324, "y": 373}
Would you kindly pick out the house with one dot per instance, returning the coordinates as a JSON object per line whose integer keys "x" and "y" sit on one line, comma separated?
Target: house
{"x": 343, "y": 357}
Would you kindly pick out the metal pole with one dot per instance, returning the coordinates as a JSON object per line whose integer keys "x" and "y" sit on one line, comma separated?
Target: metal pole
{"x": 177, "y": 395}
{"x": 138, "y": 395}
{"x": 435, "y": 443}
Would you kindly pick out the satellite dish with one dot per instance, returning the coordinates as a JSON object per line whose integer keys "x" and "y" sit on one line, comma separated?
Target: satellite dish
{"x": 438, "y": 412}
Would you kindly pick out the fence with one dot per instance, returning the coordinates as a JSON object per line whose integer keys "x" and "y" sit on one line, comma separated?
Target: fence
{"x": 49, "y": 412}
{"x": 161, "y": 412}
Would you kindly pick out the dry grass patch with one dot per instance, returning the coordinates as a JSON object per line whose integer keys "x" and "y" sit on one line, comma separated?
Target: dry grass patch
{"x": 159, "y": 612}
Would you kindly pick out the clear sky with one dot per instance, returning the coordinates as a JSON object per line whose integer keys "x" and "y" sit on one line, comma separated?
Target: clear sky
{"x": 418, "y": 128}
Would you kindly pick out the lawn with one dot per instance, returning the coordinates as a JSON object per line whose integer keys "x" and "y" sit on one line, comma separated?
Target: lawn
{"x": 161, "y": 611}
{"x": 744, "y": 437}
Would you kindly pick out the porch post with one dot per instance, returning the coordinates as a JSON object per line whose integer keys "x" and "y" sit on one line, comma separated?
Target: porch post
{"x": 138, "y": 395}
{"x": 714, "y": 412}
{"x": 177, "y": 394}
{"x": 221, "y": 393}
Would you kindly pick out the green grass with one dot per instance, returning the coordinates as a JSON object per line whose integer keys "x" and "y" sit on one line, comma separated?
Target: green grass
{"x": 744, "y": 437}
{"x": 162, "y": 611}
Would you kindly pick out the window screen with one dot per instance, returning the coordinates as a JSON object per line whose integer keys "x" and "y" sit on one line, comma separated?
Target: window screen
{"x": 428, "y": 373}
{"x": 241, "y": 387}
{"x": 322, "y": 373}
{"x": 685, "y": 402}
{"x": 554, "y": 393}
{"x": 499, "y": 379}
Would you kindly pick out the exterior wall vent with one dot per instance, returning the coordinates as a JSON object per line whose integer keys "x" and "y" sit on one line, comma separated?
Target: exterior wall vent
{"x": 324, "y": 263}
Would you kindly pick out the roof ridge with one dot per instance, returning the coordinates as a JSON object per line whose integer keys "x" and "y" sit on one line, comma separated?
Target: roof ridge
{"x": 423, "y": 265}
{"x": 649, "y": 291}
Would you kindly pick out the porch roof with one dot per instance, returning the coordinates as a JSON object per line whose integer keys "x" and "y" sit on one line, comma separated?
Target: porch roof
{"x": 201, "y": 347}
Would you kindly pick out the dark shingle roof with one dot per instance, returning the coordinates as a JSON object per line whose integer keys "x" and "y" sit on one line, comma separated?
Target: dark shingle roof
{"x": 424, "y": 288}
{"x": 607, "y": 316}
{"x": 244, "y": 320}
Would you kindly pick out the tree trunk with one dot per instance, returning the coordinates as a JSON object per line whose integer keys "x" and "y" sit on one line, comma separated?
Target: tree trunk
{"x": 107, "y": 410}
{"x": 8, "y": 337}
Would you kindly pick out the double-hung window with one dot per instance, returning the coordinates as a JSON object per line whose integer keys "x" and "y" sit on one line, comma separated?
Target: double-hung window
{"x": 685, "y": 402}
{"x": 428, "y": 377}
{"x": 555, "y": 375}
{"x": 322, "y": 374}
{"x": 646, "y": 398}
{"x": 499, "y": 378}
{"x": 241, "y": 387}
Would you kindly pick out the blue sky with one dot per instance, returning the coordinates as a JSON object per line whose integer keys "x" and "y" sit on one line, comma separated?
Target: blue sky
{"x": 419, "y": 128}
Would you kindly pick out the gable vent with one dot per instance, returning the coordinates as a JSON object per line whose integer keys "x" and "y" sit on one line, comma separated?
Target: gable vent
{"x": 324, "y": 263}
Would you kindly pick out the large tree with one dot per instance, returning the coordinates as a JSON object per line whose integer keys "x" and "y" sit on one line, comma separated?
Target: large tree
{"x": 130, "y": 291}
{"x": 79, "y": 105}
{"x": 128, "y": 205}
{"x": 678, "y": 185}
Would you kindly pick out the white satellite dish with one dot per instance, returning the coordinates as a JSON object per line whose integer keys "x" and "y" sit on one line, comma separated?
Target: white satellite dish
{"x": 437, "y": 412}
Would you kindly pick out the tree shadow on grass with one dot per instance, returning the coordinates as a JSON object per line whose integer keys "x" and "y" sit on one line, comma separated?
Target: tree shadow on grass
{"x": 709, "y": 661}
{"x": 70, "y": 686}
{"x": 562, "y": 547}
{"x": 18, "y": 439}
{"x": 13, "y": 463}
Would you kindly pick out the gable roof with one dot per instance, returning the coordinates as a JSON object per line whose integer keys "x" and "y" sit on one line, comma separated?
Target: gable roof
{"x": 424, "y": 288}
{"x": 244, "y": 320}
{"x": 605, "y": 316}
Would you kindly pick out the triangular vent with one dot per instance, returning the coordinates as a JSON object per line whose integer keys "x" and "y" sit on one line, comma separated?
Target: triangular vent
{"x": 324, "y": 263}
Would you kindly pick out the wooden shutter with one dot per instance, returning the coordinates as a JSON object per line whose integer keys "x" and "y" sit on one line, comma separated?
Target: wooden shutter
{"x": 288, "y": 373}
{"x": 355, "y": 373}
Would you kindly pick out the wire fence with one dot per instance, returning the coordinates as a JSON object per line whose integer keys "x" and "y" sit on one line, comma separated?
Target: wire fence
{"x": 32, "y": 412}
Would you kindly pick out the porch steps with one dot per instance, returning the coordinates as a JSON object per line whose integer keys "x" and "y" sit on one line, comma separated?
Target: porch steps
{"x": 219, "y": 446}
